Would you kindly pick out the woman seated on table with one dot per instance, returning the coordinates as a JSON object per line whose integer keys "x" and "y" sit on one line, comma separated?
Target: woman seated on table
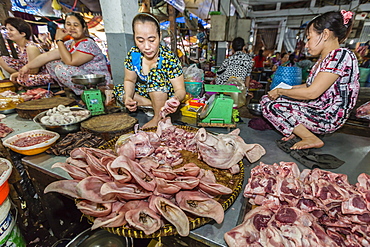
{"x": 78, "y": 56}
{"x": 20, "y": 33}
{"x": 152, "y": 72}
{"x": 324, "y": 103}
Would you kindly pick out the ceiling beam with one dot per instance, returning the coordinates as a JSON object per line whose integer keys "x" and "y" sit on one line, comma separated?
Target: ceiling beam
{"x": 264, "y": 2}
{"x": 307, "y": 11}
{"x": 238, "y": 8}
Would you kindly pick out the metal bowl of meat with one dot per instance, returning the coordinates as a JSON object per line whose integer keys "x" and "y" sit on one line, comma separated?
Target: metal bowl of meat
{"x": 90, "y": 79}
{"x": 32, "y": 142}
{"x": 62, "y": 121}
{"x": 255, "y": 109}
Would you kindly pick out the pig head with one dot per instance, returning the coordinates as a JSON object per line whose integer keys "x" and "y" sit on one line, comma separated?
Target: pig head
{"x": 224, "y": 151}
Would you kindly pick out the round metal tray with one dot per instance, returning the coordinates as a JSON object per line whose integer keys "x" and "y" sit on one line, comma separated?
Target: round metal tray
{"x": 7, "y": 111}
{"x": 234, "y": 182}
{"x": 88, "y": 80}
{"x": 99, "y": 238}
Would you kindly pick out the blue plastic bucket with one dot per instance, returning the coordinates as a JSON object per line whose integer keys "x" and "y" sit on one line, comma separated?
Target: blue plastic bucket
{"x": 364, "y": 74}
{"x": 194, "y": 88}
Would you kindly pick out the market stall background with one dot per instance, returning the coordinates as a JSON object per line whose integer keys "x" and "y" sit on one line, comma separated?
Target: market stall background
{"x": 351, "y": 148}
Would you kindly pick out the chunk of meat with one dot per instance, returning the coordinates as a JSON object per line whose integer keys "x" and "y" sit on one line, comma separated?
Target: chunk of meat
{"x": 143, "y": 218}
{"x": 89, "y": 189}
{"x": 248, "y": 232}
{"x": 94, "y": 209}
{"x": 74, "y": 171}
{"x": 124, "y": 191}
{"x": 173, "y": 214}
{"x": 66, "y": 187}
{"x": 199, "y": 204}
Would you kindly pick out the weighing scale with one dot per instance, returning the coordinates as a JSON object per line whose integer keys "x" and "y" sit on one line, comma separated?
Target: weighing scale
{"x": 219, "y": 108}
{"x": 91, "y": 96}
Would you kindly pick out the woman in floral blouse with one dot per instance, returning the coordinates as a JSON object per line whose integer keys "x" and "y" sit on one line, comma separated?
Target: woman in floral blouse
{"x": 20, "y": 32}
{"x": 78, "y": 56}
{"x": 152, "y": 72}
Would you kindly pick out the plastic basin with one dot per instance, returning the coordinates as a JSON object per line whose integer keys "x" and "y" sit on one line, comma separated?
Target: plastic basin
{"x": 194, "y": 88}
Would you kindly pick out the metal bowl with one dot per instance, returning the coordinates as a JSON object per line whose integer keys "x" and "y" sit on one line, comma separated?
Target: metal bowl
{"x": 99, "y": 238}
{"x": 91, "y": 79}
{"x": 255, "y": 109}
{"x": 64, "y": 128}
{"x": 7, "y": 111}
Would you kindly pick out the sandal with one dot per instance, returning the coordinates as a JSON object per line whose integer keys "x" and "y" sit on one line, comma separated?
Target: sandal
{"x": 286, "y": 145}
{"x": 313, "y": 160}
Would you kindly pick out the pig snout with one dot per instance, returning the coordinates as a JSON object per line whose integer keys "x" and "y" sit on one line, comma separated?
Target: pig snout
{"x": 202, "y": 135}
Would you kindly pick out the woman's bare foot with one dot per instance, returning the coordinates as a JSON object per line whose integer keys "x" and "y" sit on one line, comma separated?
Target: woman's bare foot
{"x": 150, "y": 124}
{"x": 308, "y": 142}
{"x": 289, "y": 137}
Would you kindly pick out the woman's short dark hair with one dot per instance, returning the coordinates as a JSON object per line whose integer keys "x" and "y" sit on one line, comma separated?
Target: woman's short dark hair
{"x": 332, "y": 21}
{"x": 80, "y": 19}
{"x": 146, "y": 17}
{"x": 238, "y": 44}
{"x": 20, "y": 25}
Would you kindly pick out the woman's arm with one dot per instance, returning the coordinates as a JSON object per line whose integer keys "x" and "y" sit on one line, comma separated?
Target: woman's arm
{"x": 321, "y": 83}
{"x": 39, "y": 61}
{"x": 75, "y": 59}
{"x": 6, "y": 67}
{"x": 304, "y": 85}
{"x": 129, "y": 87}
{"x": 32, "y": 52}
{"x": 179, "y": 87}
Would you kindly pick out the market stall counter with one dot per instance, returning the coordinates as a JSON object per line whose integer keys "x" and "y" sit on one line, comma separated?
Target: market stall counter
{"x": 354, "y": 150}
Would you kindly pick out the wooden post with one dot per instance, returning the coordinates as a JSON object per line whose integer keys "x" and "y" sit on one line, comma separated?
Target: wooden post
{"x": 172, "y": 19}
{"x": 3, "y": 50}
{"x": 145, "y": 6}
{"x": 5, "y": 6}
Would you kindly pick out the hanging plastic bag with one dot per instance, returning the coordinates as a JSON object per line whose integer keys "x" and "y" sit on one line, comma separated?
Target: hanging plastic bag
{"x": 289, "y": 75}
{"x": 193, "y": 73}
{"x": 240, "y": 99}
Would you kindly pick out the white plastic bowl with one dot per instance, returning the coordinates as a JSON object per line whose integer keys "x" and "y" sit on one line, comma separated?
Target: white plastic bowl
{"x": 34, "y": 149}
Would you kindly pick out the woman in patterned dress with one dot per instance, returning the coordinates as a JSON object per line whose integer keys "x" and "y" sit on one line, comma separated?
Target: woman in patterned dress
{"x": 324, "y": 102}
{"x": 78, "y": 56}
{"x": 20, "y": 32}
{"x": 239, "y": 64}
{"x": 152, "y": 72}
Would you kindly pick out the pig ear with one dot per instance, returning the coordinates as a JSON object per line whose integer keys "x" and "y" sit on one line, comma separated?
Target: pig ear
{"x": 254, "y": 152}
{"x": 235, "y": 132}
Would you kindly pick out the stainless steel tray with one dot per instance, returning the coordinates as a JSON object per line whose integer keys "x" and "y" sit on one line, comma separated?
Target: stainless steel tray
{"x": 8, "y": 111}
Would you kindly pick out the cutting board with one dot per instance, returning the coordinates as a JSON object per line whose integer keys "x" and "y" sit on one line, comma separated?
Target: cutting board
{"x": 30, "y": 109}
{"x": 110, "y": 125}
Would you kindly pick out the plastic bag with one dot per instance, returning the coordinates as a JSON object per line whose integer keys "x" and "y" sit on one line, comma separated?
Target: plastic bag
{"x": 240, "y": 99}
{"x": 289, "y": 75}
{"x": 193, "y": 73}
